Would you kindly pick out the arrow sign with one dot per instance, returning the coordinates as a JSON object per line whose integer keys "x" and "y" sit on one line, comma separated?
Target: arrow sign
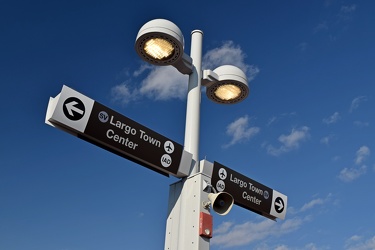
{"x": 73, "y": 108}
{"x": 70, "y": 107}
{"x": 279, "y": 204}
{"x": 91, "y": 121}
{"x": 248, "y": 193}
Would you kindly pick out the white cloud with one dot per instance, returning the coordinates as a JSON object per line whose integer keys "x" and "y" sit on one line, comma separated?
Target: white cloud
{"x": 355, "y": 243}
{"x": 282, "y": 247}
{"x": 348, "y": 9}
{"x": 354, "y": 238}
{"x": 249, "y": 232}
{"x": 311, "y": 246}
{"x": 356, "y": 102}
{"x": 332, "y": 119}
{"x": 336, "y": 158}
{"x": 144, "y": 67}
{"x": 123, "y": 94}
{"x": 346, "y": 12}
{"x": 315, "y": 202}
{"x": 290, "y": 142}
{"x": 293, "y": 139}
{"x": 361, "y": 155}
{"x": 326, "y": 140}
{"x": 224, "y": 227}
{"x": 311, "y": 204}
{"x": 230, "y": 235}
{"x": 240, "y": 131}
{"x": 323, "y": 26}
{"x": 279, "y": 117}
{"x": 164, "y": 83}
{"x": 361, "y": 124}
{"x": 271, "y": 120}
{"x": 308, "y": 246}
{"x": 350, "y": 174}
{"x": 232, "y": 54}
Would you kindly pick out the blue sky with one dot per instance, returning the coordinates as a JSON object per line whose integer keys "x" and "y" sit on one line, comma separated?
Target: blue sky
{"x": 306, "y": 129}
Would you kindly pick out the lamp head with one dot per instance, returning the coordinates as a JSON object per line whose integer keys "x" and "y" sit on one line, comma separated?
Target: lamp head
{"x": 230, "y": 85}
{"x": 160, "y": 42}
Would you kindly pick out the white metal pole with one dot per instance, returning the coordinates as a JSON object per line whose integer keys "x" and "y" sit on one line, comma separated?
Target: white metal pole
{"x": 186, "y": 196}
{"x": 193, "y": 100}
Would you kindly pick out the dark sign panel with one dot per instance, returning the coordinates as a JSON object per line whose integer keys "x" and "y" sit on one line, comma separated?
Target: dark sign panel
{"x": 132, "y": 139}
{"x": 104, "y": 127}
{"x": 248, "y": 193}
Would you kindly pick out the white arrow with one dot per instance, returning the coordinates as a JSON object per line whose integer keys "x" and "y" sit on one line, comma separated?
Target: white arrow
{"x": 70, "y": 107}
{"x": 280, "y": 205}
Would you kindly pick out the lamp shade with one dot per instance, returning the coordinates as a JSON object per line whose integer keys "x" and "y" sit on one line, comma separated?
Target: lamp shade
{"x": 231, "y": 85}
{"x": 160, "y": 42}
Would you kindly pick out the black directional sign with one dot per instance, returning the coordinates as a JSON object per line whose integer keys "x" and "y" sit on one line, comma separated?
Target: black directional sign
{"x": 249, "y": 193}
{"x": 106, "y": 128}
{"x": 132, "y": 140}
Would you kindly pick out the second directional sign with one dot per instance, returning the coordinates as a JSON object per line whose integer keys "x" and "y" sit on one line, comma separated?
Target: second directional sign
{"x": 248, "y": 193}
{"x": 100, "y": 125}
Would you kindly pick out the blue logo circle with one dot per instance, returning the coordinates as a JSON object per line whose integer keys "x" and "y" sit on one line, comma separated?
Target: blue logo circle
{"x": 103, "y": 116}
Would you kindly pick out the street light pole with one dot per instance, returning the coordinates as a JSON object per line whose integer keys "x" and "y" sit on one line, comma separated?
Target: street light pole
{"x": 186, "y": 196}
{"x": 189, "y": 222}
{"x": 191, "y": 143}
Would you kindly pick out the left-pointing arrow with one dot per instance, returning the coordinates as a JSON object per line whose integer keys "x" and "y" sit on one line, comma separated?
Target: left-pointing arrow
{"x": 74, "y": 108}
{"x": 71, "y": 107}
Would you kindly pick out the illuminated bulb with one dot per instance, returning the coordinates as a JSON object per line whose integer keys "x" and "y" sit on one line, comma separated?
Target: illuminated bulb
{"x": 227, "y": 92}
{"x": 158, "y": 48}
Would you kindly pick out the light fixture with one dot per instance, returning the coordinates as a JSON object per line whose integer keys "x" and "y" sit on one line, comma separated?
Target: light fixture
{"x": 160, "y": 42}
{"x": 226, "y": 84}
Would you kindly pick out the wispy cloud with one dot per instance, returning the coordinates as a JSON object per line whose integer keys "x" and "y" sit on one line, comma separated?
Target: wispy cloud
{"x": 352, "y": 173}
{"x": 361, "y": 124}
{"x": 357, "y": 242}
{"x": 271, "y": 120}
{"x": 312, "y": 203}
{"x": 322, "y": 26}
{"x": 230, "y": 234}
{"x": 249, "y": 232}
{"x": 362, "y": 153}
{"x": 229, "y": 53}
{"x": 123, "y": 94}
{"x": 315, "y": 202}
{"x": 346, "y": 12}
{"x": 345, "y": 9}
{"x": 277, "y": 118}
{"x": 290, "y": 141}
{"x": 332, "y": 119}
{"x": 334, "y": 26}
{"x": 240, "y": 131}
{"x": 165, "y": 82}
{"x": 327, "y": 139}
{"x": 356, "y": 102}
{"x": 303, "y": 46}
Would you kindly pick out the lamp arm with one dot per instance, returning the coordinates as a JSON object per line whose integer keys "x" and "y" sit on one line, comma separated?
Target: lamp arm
{"x": 184, "y": 65}
{"x": 209, "y": 77}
